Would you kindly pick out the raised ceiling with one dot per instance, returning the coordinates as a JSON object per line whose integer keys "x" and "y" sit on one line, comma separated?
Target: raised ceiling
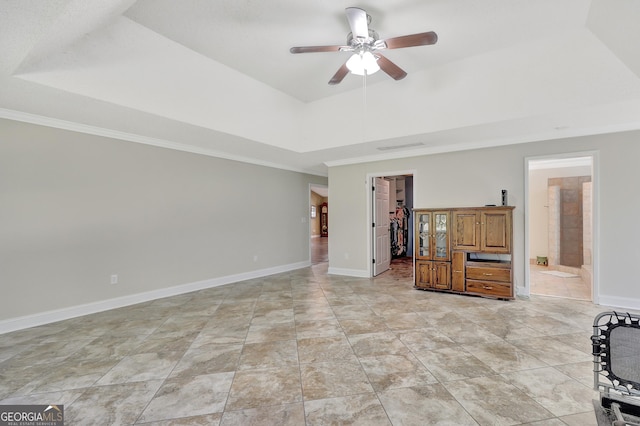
{"x": 216, "y": 77}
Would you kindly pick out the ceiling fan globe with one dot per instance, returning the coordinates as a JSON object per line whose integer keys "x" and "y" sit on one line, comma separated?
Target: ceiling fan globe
{"x": 363, "y": 62}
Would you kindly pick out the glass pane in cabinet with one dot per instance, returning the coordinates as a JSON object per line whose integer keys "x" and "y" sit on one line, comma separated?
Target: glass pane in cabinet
{"x": 423, "y": 223}
{"x": 441, "y": 235}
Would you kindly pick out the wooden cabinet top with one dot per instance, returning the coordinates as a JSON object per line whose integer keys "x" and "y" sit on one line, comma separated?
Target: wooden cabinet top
{"x": 465, "y": 208}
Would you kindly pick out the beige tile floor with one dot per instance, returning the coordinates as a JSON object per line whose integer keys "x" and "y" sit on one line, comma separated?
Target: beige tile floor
{"x": 308, "y": 348}
{"x": 549, "y": 285}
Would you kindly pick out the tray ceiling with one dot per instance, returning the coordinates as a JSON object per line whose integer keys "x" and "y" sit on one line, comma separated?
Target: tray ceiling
{"x": 217, "y": 78}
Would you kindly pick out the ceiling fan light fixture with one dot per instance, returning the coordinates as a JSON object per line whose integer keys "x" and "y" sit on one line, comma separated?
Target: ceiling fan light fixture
{"x": 363, "y": 41}
{"x": 361, "y": 62}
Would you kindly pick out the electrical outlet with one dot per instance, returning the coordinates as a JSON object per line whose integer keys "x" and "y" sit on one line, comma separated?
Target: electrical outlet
{"x": 255, "y": 257}
{"x": 114, "y": 279}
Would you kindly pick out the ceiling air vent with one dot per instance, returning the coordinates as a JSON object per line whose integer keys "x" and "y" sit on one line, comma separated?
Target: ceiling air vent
{"x": 407, "y": 145}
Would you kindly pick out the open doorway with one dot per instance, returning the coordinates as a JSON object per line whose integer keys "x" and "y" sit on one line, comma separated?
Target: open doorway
{"x": 561, "y": 214}
{"x": 318, "y": 224}
{"x": 391, "y": 217}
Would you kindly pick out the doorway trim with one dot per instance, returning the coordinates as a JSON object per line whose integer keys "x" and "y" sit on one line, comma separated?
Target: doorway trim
{"x": 595, "y": 230}
{"x": 368, "y": 187}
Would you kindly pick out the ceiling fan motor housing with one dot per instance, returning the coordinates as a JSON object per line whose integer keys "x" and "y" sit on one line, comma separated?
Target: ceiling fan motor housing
{"x": 356, "y": 42}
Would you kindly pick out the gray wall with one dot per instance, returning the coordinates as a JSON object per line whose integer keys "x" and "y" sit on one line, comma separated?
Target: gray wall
{"x": 475, "y": 178}
{"x": 77, "y": 208}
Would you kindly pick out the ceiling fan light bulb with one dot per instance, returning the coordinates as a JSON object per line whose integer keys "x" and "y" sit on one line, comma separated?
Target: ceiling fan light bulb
{"x": 358, "y": 63}
{"x": 355, "y": 64}
{"x": 370, "y": 63}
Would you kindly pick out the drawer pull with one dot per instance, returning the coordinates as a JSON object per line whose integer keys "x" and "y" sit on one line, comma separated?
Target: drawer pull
{"x": 487, "y": 274}
{"x": 457, "y": 271}
{"x": 487, "y": 287}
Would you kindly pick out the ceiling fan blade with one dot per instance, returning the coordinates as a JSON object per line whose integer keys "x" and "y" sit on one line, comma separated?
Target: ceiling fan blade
{"x": 313, "y": 49}
{"x": 339, "y": 75}
{"x": 421, "y": 39}
{"x": 358, "y": 22}
{"x": 390, "y": 68}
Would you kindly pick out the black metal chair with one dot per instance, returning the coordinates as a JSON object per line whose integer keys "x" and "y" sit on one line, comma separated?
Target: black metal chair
{"x": 616, "y": 357}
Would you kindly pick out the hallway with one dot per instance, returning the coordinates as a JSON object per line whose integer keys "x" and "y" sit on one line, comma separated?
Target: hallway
{"x": 319, "y": 250}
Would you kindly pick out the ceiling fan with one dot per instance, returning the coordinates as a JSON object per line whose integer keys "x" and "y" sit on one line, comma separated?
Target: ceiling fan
{"x": 365, "y": 45}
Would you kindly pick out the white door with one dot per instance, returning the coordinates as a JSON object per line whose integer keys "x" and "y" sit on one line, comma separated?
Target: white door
{"x": 382, "y": 251}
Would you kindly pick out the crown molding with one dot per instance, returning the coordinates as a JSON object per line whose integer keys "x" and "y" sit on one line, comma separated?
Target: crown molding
{"x": 562, "y": 133}
{"x": 131, "y": 137}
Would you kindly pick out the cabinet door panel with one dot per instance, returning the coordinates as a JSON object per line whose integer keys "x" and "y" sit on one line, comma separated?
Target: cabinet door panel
{"x": 423, "y": 235}
{"x": 496, "y": 236}
{"x": 441, "y": 236}
{"x": 441, "y": 275}
{"x": 423, "y": 274}
{"x": 457, "y": 271}
{"x": 466, "y": 235}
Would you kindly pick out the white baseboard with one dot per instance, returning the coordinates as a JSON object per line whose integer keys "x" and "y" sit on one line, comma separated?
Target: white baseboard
{"x": 359, "y": 273}
{"x": 613, "y": 302}
{"x": 619, "y": 302}
{"x": 19, "y": 323}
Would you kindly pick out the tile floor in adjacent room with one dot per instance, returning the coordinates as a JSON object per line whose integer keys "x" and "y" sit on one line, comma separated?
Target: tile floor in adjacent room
{"x": 574, "y": 287}
{"x": 308, "y": 348}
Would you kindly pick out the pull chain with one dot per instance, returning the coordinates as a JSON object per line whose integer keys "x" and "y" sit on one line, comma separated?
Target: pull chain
{"x": 364, "y": 105}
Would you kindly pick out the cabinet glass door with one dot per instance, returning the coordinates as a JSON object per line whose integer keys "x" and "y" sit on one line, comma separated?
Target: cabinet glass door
{"x": 441, "y": 240}
{"x": 424, "y": 224}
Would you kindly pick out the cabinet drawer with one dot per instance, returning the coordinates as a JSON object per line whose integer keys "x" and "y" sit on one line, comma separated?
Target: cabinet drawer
{"x": 489, "y": 288}
{"x": 488, "y": 273}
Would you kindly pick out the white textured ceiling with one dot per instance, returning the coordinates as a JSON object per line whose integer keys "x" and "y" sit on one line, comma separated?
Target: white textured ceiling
{"x": 216, "y": 76}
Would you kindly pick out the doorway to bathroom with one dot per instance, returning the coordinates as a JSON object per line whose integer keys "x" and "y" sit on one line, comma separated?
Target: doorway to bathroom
{"x": 560, "y": 226}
